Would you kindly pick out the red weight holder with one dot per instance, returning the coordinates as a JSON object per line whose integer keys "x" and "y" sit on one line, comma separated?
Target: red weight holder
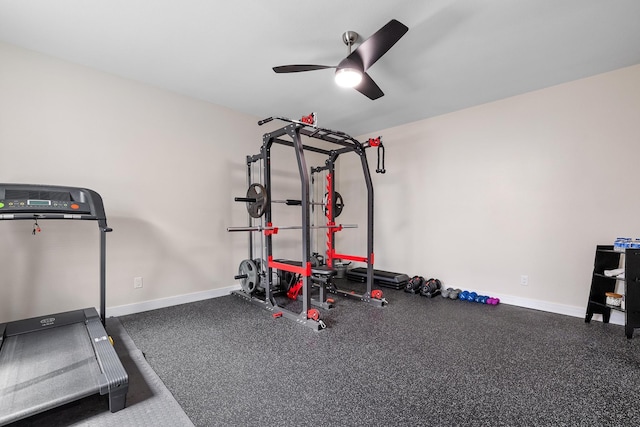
{"x": 350, "y": 257}
{"x": 329, "y": 215}
{"x": 332, "y": 228}
{"x": 313, "y": 314}
{"x": 277, "y": 315}
{"x": 376, "y": 294}
{"x": 304, "y": 270}
{"x": 309, "y": 120}
{"x": 271, "y": 230}
{"x": 374, "y": 142}
{"x": 294, "y": 291}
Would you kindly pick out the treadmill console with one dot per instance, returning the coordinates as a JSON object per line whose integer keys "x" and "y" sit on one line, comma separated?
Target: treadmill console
{"x": 25, "y": 201}
{"x": 58, "y": 204}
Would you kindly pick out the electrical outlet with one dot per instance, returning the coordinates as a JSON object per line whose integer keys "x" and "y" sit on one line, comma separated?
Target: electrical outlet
{"x": 524, "y": 280}
{"x": 137, "y": 282}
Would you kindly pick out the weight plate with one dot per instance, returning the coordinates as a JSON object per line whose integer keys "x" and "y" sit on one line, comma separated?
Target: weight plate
{"x": 338, "y": 204}
{"x": 259, "y": 193}
{"x": 250, "y": 283}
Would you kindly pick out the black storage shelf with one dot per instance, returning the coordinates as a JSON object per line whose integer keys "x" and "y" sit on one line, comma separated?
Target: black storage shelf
{"x": 608, "y": 259}
{"x": 608, "y": 277}
{"x": 612, "y": 307}
{"x": 611, "y": 251}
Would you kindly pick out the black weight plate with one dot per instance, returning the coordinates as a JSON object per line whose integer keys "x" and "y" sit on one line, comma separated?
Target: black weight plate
{"x": 259, "y": 193}
{"x": 338, "y": 203}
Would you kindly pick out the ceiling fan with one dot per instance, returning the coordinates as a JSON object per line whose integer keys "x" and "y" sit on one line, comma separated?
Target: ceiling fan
{"x": 352, "y": 70}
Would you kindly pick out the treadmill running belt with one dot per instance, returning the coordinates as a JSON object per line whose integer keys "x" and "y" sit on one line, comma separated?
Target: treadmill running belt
{"x": 46, "y": 369}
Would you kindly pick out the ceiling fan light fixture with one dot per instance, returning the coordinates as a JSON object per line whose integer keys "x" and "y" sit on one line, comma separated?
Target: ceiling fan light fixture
{"x": 348, "y": 77}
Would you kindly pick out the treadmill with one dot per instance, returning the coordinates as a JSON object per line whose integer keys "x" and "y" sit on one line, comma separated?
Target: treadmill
{"x": 52, "y": 360}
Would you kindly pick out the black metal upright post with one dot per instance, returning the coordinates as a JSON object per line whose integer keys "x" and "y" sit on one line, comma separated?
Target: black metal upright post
{"x": 103, "y": 276}
{"x": 249, "y": 162}
{"x": 331, "y": 191}
{"x": 369, "y": 184}
{"x": 268, "y": 240}
{"x": 294, "y": 132}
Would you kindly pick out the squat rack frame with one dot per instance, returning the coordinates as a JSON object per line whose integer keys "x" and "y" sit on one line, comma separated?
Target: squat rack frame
{"x": 295, "y": 130}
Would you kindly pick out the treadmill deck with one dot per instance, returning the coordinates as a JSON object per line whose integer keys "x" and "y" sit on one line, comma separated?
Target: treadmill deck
{"x": 45, "y": 369}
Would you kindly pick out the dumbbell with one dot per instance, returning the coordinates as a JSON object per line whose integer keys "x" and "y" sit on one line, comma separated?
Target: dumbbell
{"x": 414, "y": 285}
{"x": 431, "y": 288}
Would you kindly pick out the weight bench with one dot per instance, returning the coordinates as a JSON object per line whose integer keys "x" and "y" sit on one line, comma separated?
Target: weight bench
{"x": 321, "y": 276}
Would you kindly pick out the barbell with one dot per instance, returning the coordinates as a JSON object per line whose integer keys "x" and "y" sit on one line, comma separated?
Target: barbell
{"x": 289, "y": 227}
{"x": 257, "y": 201}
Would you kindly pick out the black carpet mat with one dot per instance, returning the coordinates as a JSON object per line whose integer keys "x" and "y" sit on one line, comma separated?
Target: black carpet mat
{"x": 418, "y": 361}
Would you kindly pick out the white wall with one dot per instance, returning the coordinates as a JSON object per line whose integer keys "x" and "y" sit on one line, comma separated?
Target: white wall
{"x": 167, "y": 167}
{"x": 528, "y": 185}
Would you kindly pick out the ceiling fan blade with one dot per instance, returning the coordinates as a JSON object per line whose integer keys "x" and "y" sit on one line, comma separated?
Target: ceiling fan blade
{"x": 299, "y": 68}
{"x": 379, "y": 43}
{"x": 369, "y": 88}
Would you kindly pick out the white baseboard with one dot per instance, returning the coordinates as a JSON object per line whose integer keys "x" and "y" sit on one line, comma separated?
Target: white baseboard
{"x": 123, "y": 310}
{"x": 617, "y": 318}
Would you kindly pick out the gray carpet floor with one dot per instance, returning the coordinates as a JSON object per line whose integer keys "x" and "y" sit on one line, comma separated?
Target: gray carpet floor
{"x": 416, "y": 362}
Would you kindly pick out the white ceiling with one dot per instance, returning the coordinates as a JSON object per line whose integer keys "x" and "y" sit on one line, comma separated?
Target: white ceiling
{"x": 456, "y": 54}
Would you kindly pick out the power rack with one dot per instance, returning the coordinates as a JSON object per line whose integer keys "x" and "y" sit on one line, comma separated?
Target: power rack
{"x": 258, "y": 286}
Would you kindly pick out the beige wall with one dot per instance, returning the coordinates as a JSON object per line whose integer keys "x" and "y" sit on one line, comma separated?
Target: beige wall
{"x": 167, "y": 167}
{"x": 524, "y": 186}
